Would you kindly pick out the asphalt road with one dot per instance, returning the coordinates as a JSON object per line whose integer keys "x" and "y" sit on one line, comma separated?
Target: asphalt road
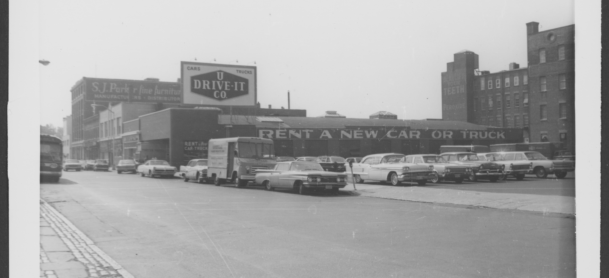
{"x": 169, "y": 228}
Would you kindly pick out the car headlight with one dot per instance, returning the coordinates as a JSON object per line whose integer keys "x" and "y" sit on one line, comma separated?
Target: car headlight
{"x": 310, "y": 179}
{"x": 552, "y": 165}
{"x": 480, "y": 167}
{"x": 405, "y": 169}
{"x": 503, "y": 167}
{"x": 468, "y": 169}
{"x": 153, "y": 168}
{"x": 531, "y": 166}
{"x": 447, "y": 170}
{"x": 340, "y": 179}
{"x": 430, "y": 167}
{"x": 511, "y": 166}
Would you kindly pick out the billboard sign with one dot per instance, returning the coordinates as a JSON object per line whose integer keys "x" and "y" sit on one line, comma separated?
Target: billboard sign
{"x": 116, "y": 90}
{"x": 216, "y": 84}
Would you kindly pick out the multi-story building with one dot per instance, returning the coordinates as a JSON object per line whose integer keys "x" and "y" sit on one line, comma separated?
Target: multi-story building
{"x": 65, "y": 138}
{"x": 539, "y": 99}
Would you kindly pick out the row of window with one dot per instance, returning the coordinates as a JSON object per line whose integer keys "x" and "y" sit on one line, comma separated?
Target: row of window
{"x": 543, "y": 83}
{"x": 487, "y": 103}
{"x": 562, "y": 111}
{"x": 511, "y": 121}
{"x": 562, "y": 136}
{"x": 525, "y": 81}
{"x": 109, "y": 128}
{"x": 542, "y": 54}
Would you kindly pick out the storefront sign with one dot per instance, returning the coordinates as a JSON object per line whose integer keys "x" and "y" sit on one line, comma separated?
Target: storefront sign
{"x": 390, "y": 133}
{"x": 132, "y": 91}
{"x": 215, "y": 84}
{"x": 194, "y": 149}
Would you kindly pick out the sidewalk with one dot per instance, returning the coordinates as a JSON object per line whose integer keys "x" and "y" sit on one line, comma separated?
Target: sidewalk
{"x": 523, "y": 202}
{"x": 65, "y": 252}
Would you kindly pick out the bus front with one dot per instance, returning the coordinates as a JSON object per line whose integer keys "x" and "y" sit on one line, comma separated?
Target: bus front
{"x": 51, "y": 153}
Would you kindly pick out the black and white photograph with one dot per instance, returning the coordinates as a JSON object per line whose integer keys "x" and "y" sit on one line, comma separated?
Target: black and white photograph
{"x": 304, "y": 138}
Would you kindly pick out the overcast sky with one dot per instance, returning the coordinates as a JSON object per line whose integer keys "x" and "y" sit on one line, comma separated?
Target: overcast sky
{"x": 355, "y": 57}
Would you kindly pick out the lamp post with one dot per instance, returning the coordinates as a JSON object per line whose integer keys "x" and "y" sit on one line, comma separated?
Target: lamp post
{"x": 44, "y": 62}
{"x": 109, "y": 108}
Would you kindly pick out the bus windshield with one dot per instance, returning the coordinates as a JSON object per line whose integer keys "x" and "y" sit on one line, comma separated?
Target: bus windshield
{"x": 255, "y": 150}
{"x": 50, "y": 152}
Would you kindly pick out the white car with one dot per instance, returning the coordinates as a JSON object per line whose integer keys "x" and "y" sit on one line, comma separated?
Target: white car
{"x": 155, "y": 167}
{"x": 196, "y": 170}
{"x": 514, "y": 164}
{"x": 442, "y": 169}
{"x": 389, "y": 167}
{"x": 542, "y": 166}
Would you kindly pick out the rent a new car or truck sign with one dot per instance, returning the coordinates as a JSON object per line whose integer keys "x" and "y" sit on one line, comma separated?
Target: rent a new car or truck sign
{"x": 216, "y": 84}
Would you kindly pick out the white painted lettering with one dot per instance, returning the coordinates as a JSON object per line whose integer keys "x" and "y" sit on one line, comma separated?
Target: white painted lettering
{"x": 358, "y": 134}
{"x": 346, "y": 134}
{"x": 447, "y": 134}
{"x": 389, "y": 135}
{"x": 403, "y": 134}
{"x": 415, "y": 134}
{"x": 265, "y": 133}
{"x": 295, "y": 133}
{"x": 325, "y": 134}
{"x": 436, "y": 134}
{"x": 281, "y": 134}
{"x": 371, "y": 133}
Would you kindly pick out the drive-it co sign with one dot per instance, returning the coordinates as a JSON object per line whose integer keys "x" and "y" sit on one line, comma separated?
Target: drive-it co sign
{"x": 217, "y": 84}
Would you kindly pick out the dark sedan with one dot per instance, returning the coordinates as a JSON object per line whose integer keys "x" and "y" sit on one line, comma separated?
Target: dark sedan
{"x": 332, "y": 163}
{"x": 126, "y": 165}
{"x": 101, "y": 165}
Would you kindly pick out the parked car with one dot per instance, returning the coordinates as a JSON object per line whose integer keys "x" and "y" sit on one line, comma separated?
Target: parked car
{"x": 514, "y": 166}
{"x": 542, "y": 166}
{"x": 332, "y": 163}
{"x": 301, "y": 176}
{"x": 354, "y": 159}
{"x": 285, "y": 158}
{"x": 126, "y": 165}
{"x": 71, "y": 164}
{"x": 101, "y": 165}
{"x": 480, "y": 169}
{"x": 443, "y": 170}
{"x": 89, "y": 164}
{"x": 564, "y": 155}
{"x": 389, "y": 167}
{"x": 192, "y": 163}
{"x": 83, "y": 164}
{"x": 307, "y": 158}
{"x": 157, "y": 167}
{"x": 197, "y": 171}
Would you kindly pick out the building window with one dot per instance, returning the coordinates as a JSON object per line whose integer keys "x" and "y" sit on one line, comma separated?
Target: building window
{"x": 482, "y": 83}
{"x": 561, "y": 52}
{"x": 544, "y": 96}
{"x": 516, "y": 80}
{"x": 516, "y": 121}
{"x": 516, "y": 100}
{"x": 508, "y": 121}
{"x": 507, "y": 82}
{"x": 543, "y": 112}
{"x": 525, "y": 119}
{"x": 483, "y": 121}
{"x": 542, "y": 56}
{"x": 542, "y": 84}
{"x": 508, "y": 99}
{"x": 475, "y": 104}
{"x": 499, "y": 121}
{"x": 497, "y": 83}
{"x": 525, "y": 79}
{"x": 490, "y": 102}
{"x": 482, "y": 106}
{"x": 563, "y": 81}
{"x": 543, "y": 136}
{"x": 490, "y": 121}
{"x": 490, "y": 84}
{"x": 525, "y": 99}
{"x": 562, "y": 110}
{"x": 562, "y": 136}
{"x": 499, "y": 101}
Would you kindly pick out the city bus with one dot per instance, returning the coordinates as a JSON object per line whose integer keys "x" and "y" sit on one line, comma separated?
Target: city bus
{"x": 237, "y": 159}
{"x": 51, "y": 155}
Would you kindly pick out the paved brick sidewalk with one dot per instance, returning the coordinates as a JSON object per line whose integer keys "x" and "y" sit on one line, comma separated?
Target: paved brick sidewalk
{"x": 65, "y": 252}
{"x": 524, "y": 202}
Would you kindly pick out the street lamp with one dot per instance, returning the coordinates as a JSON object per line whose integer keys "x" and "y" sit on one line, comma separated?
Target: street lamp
{"x": 44, "y": 62}
{"x": 109, "y": 108}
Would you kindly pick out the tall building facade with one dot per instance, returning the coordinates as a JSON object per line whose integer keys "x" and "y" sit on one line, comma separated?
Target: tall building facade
{"x": 538, "y": 98}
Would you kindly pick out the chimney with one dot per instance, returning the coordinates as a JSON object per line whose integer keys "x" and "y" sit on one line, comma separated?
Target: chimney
{"x": 514, "y": 66}
{"x": 269, "y": 106}
{"x": 288, "y": 100}
{"x": 532, "y": 28}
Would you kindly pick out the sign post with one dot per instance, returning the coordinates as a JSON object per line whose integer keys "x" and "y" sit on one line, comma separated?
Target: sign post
{"x": 352, "y": 176}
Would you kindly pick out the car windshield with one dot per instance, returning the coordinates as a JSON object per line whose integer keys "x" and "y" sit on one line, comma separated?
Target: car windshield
{"x": 306, "y": 166}
{"x": 535, "y": 156}
{"x": 468, "y": 157}
{"x": 285, "y": 158}
{"x": 337, "y": 159}
{"x": 101, "y": 161}
{"x": 433, "y": 159}
{"x": 50, "y": 153}
{"x": 392, "y": 158}
{"x": 255, "y": 150}
{"x": 202, "y": 163}
{"x": 494, "y": 157}
{"x": 71, "y": 161}
{"x": 311, "y": 159}
{"x": 158, "y": 162}
{"x": 126, "y": 162}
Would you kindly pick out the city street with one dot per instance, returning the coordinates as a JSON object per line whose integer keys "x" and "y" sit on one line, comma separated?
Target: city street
{"x": 169, "y": 228}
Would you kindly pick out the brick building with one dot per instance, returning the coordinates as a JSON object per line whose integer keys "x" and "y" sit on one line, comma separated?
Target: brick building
{"x": 539, "y": 99}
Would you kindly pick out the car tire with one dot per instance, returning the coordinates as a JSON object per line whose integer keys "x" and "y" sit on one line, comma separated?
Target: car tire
{"x": 335, "y": 191}
{"x": 460, "y": 180}
{"x": 505, "y": 177}
{"x": 241, "y": 183}
{"x": 560, "y": 175}
{"x": 217, "y": 182}
{"x": 493, "y": 179}
{"x": 422, "y": 182}
{"x": 393, "y": 178}
{"x": 436, "y": 178}
{"x": 473, "y": 177}
{"x": 520, "y": 177}
{"x": 541, "y": 172}
{"x": 77, "y": 170}
{"x": 301, "y": 189}
{"x": 358, "y": 179}
{"x": 118, "y": 172}
{"x": 185, "y": 178}
{"x": 268, "y": 186}
{"x": 142, "y": 175}
{"x": 150, "y": 174}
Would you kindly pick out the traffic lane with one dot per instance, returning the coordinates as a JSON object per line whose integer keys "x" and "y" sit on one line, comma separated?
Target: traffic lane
{"x": 168, "y": 228}
{"x": 534, "y": 186}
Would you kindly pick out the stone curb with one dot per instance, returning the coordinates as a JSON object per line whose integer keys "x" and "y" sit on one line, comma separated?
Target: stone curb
{"x": 89, "y": 247}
